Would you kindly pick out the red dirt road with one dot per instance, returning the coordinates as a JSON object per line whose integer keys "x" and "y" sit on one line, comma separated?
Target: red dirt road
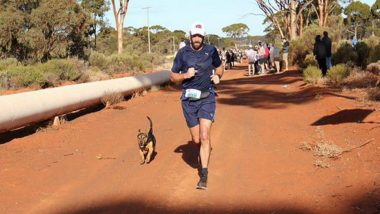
{"x": 91, "y": 163}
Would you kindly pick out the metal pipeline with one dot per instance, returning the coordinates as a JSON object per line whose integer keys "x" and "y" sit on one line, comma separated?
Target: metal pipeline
{"x": 21, "y": 109}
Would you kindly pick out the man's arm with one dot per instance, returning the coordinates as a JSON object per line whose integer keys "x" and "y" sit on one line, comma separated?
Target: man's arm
{"x": 218, "y": 74}
{"x": 177, "y": 77}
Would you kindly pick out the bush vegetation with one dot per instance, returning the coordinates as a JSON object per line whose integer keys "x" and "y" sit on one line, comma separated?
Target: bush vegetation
{"x": 337, "y": 74}
{"x": 312, "y": 74}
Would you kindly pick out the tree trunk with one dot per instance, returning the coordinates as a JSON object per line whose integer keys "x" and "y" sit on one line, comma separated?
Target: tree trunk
{"x": 301, "y": 25}
{"x": 120, "y": 38}
{"x": 321, "y": 12}
{"x": 293, "y": 23}
{"x": 326, "y": 12}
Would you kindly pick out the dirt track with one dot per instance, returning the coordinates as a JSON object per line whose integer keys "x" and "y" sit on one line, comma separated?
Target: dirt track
{"x": 91, "y": 163}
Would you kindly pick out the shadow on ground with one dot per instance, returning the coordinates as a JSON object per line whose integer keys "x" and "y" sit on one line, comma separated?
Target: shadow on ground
{"x": 344, "y": 116}
{"x": 190, "y": 153}
{"x": 238, "y": 91}
{"x": 33, "y": 128}
{"x": 368, "y": 202}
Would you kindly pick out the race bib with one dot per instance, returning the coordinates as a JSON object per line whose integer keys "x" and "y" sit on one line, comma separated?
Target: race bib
{"x": 193, "y": 93}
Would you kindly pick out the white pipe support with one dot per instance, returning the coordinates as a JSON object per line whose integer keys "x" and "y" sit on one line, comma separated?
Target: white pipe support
{"x": 21, "y": 109}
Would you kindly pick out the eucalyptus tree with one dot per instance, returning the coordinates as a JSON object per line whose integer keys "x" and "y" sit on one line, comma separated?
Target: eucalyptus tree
{"x": 358, "y": 14}
{"x": 119, "y": 12}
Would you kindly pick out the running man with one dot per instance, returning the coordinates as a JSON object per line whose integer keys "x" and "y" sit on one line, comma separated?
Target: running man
{"x": 199, "y": 68}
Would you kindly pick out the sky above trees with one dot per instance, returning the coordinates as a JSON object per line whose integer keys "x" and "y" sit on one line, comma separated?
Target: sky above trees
{"x": 179, "y": 15}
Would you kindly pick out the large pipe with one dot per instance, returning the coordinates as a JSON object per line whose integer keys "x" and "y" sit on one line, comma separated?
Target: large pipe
{"x": 21, "y": 109}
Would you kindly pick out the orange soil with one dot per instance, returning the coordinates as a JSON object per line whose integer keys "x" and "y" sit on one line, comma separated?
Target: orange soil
{"x": 91, "y": 163}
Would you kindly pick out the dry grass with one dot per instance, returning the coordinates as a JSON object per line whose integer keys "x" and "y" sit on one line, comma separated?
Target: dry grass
{"x": 374, "y": 94}
{"x": 111, "y": 98}
{"x": 325, "y": 150}
{"x": 322, "y": 163}
{"x": 374, "y": 67}
{"x": 361, "y": 79}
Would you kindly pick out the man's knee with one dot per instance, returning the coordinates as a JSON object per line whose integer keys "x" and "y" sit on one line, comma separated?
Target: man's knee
{"x": 196, "y": 140}
{"x": 205, "y": 136}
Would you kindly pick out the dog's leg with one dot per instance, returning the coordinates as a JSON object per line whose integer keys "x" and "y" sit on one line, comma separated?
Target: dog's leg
{"x": 142, "y": 157}
{"x": 150, "y": 152}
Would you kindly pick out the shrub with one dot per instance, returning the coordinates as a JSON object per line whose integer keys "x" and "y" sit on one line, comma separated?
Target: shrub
{"x": 374, "y": 55}
{"x": 345, "y": 54}
{"x": 98, "y": 60}
{"x": 361, "y": 79}
{"x": 310, "y": 60}
{"x": 312, "y": 74}
{"x": 374, "y": 67}
{"x": 362, "y": 51}
{"x": 111, "y": 98}
{"x": 374, "y": 94}
{"x": 20, "y": 76}
{"x": 57, "y": 70}
{"x": 8, "y": 62}
{"x": 337, "y": 74}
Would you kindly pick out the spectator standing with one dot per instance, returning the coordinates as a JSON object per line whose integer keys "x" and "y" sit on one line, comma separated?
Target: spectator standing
{"x": 276, "y": 58}
{"x": 327, "y": 41}
{"x": 320, "y": 54}
{"x": 251, "y": 55}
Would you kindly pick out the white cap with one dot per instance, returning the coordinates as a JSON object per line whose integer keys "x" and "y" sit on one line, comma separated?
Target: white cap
{"x": 197, "y": 28}
{"x": 250, "y": 45}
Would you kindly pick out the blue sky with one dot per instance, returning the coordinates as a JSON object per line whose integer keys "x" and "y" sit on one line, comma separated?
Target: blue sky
{"x": 180, "y": 14}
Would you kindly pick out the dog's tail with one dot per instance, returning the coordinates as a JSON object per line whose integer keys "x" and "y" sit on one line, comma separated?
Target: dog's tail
{"x": 150, "y": 124}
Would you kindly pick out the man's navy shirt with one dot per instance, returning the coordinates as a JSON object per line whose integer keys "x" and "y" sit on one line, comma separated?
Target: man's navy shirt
{"x": 204, "y": 60}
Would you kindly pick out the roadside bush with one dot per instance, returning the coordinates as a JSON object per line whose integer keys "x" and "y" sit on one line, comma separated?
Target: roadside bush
{"x": 374, "y": 94}
{"x": 20, "y": 76}
{"x": 4, "y": 82}
{"x": 310, "y": 60}
{"x": 57, "y": 70}
{"x": 345, "y": 54}
{"x": 337, "y": 73}
{"x": 4, "y": 63}
{"x": 98, "y": 60}
{"x": 374, "y": 55}
{"x": 362, "y": 51}
{"x": 312, "y": 74}
{"x": 361, "y": 79}
{"x": 374, "y": 67}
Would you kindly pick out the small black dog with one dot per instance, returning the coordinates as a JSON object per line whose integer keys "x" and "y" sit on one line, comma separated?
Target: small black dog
{"x": 147, "y": 144}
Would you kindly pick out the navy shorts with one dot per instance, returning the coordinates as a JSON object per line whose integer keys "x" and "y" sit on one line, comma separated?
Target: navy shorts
{"x": 203, "y": 108}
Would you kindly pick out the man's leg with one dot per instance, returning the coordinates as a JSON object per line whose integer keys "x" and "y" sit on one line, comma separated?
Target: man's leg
{"x": 205, "y": 150}
{"x": 194, "y": 131}
{"x": 205, "y": 130}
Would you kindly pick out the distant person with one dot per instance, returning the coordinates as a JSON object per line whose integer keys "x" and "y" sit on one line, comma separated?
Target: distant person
{"x": 262, "y": 58}
{"x": 320, "y": 54}
{"x": 194, "y": 67}
{"x": 285, "y": 51}
{"x": 276, "y": 58}
{"x": 228, "y": 59}
{"x": 182, "y": 44}
{"x": 354, "y": 42}
{"x": 251, "y": 55}
{"x": 327, "y": 41}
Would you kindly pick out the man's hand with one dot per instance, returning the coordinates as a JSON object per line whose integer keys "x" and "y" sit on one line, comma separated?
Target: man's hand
{"x": 190, "y": 73}
{"x": 215, "y": 79}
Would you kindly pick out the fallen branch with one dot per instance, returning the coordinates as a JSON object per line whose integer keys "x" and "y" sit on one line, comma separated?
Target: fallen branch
{"x": 356, "y": 147}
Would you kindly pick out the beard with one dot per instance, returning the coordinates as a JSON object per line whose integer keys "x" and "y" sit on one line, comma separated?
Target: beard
{"x": 197, "y": 45}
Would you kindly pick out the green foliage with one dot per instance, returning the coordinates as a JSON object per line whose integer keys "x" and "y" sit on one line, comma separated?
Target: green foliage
{"x": 5, "y": 63}
{"x": 237, "y": 30}
{"x": 357, "y": 11}
{"x": 362, "y": 51}
{"x": 59, "y": 69}
{"x": 20, "y": 76}
{"x": 337, "y": 73}
{"x": 312, "y": 74}
{"x": 310, "y": 60}
{"x": 374, "y": 55}
{"x": 345, "y": 54}
{"x": 98, "y": 60}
